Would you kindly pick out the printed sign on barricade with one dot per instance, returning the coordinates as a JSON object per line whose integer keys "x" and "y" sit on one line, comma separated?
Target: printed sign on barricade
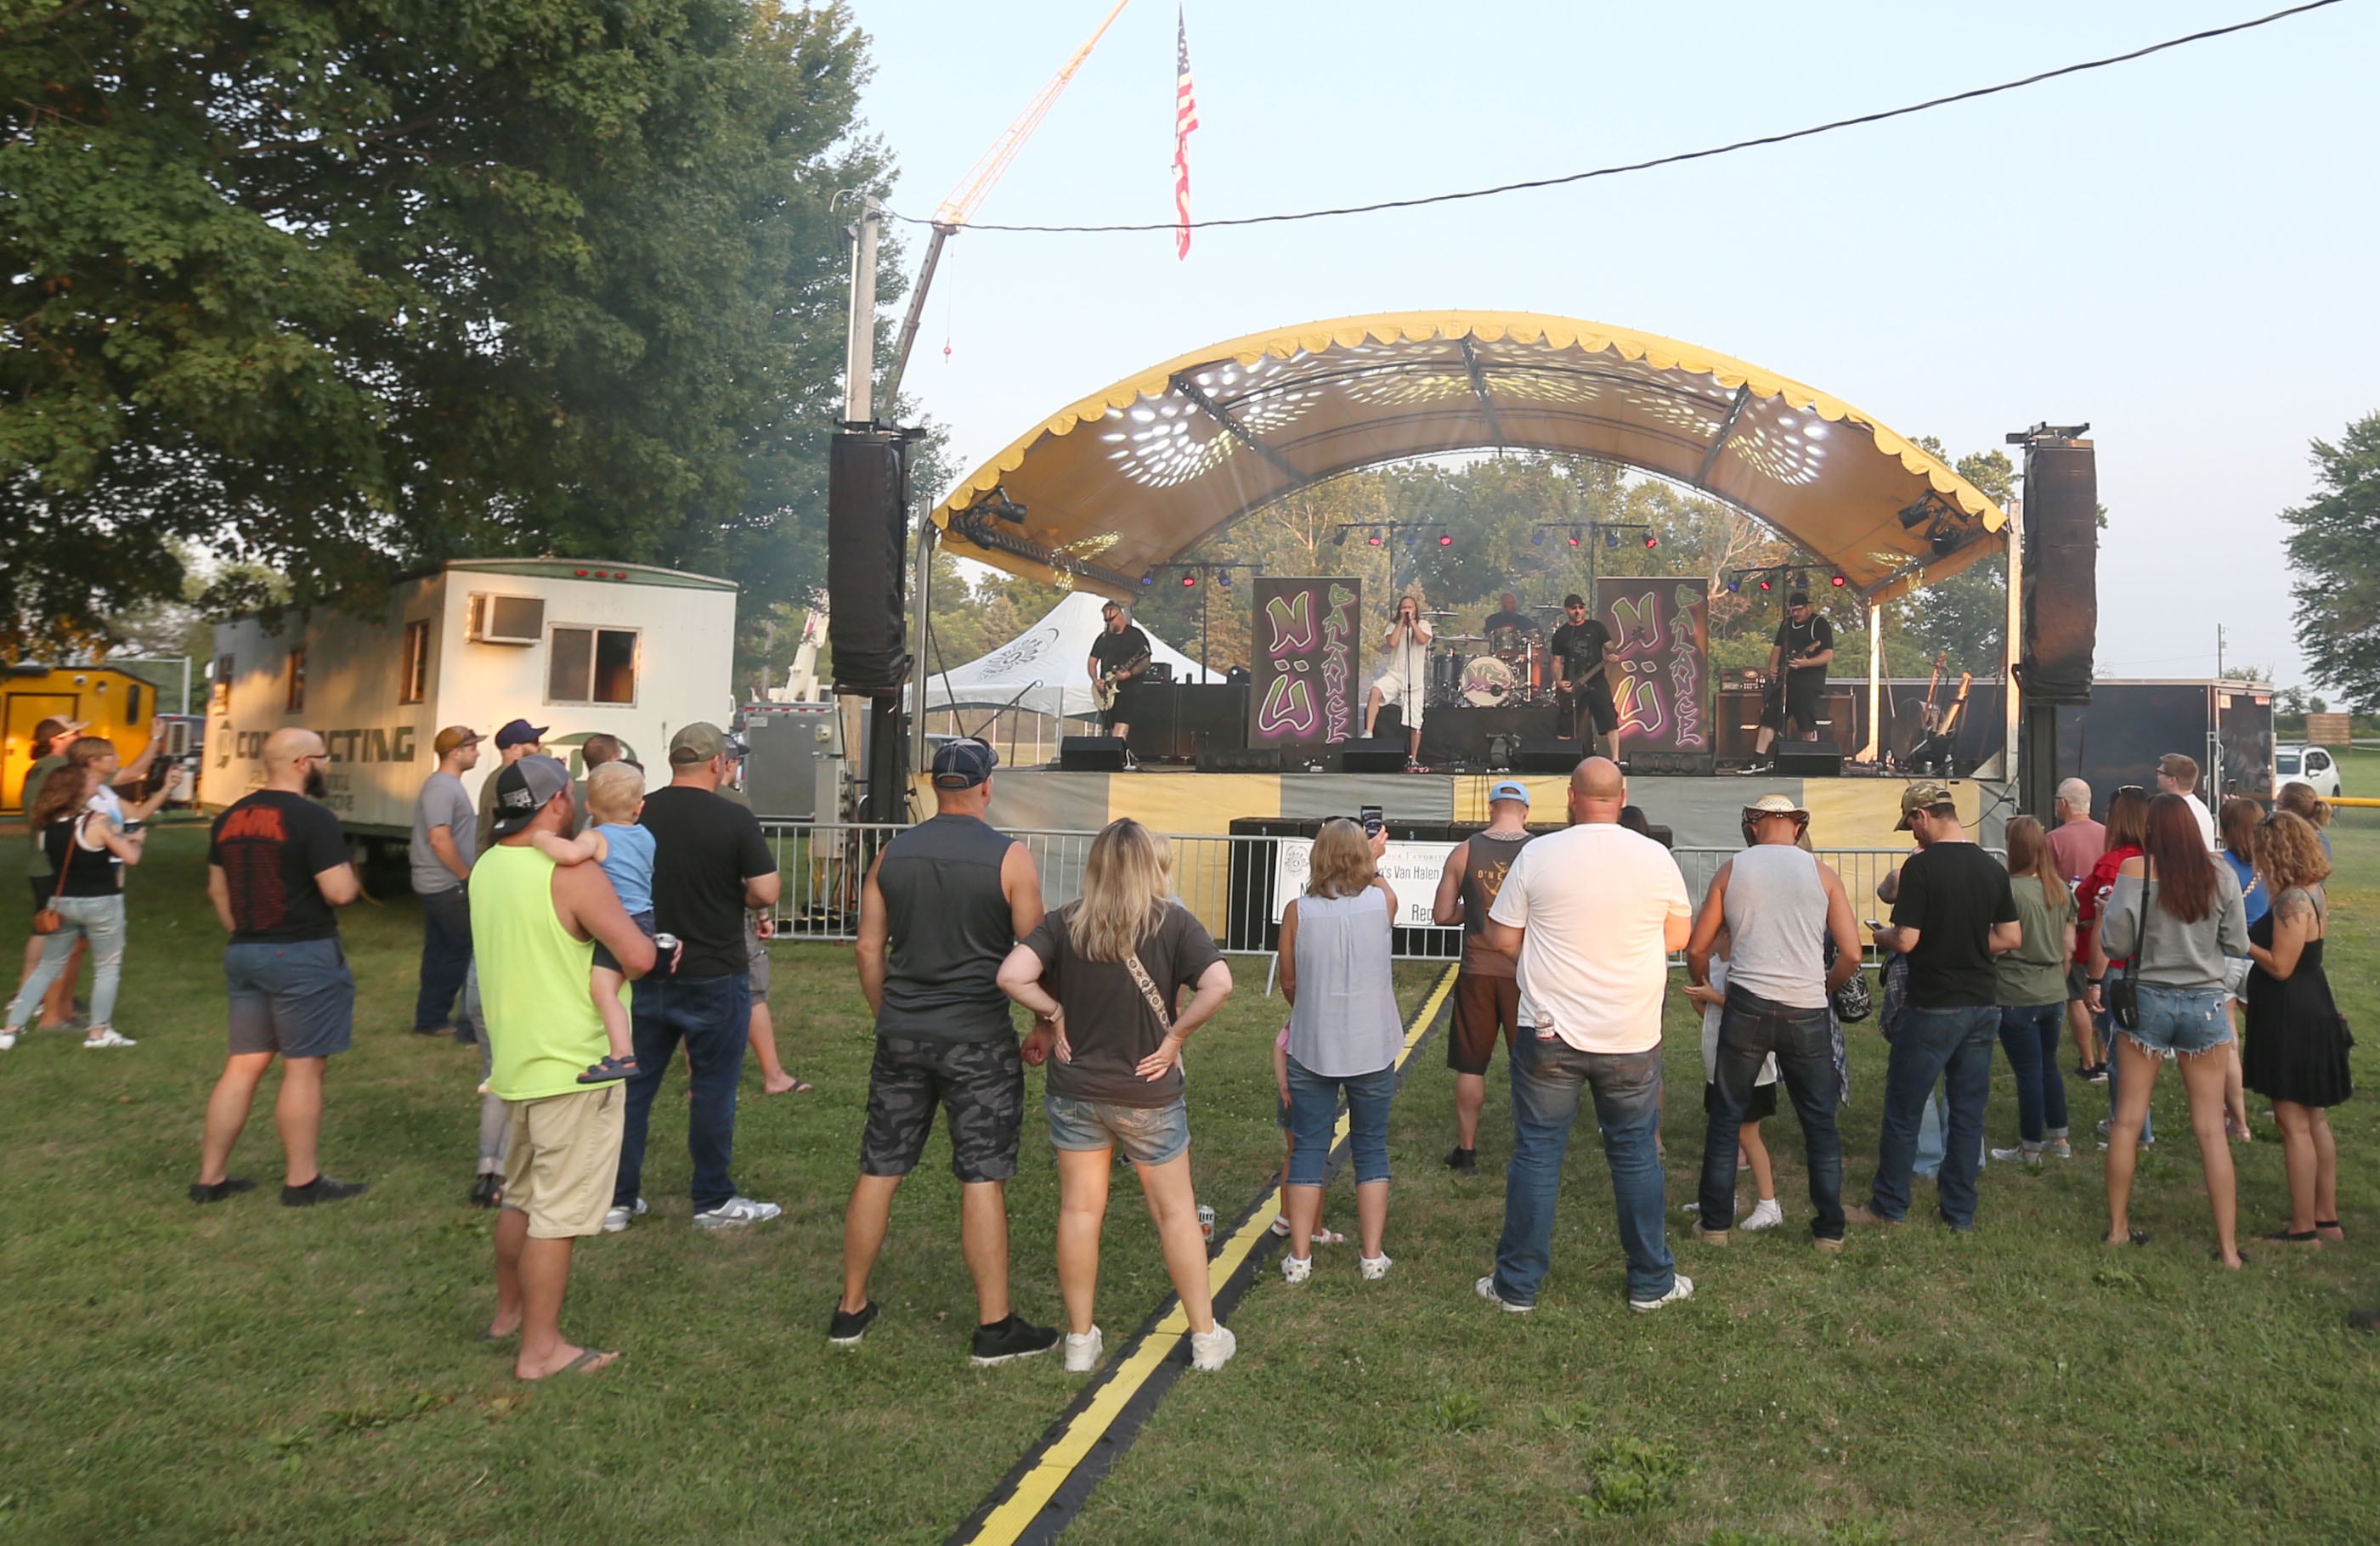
{"x": 1305, "y": 664}
{"x": 1661, "y": 683}
{"x": 1411, "y": 869}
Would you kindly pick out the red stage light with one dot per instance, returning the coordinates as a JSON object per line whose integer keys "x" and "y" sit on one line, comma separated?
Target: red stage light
{"x": 1374, "y": 539}
{"x": 1573, "y": 539}
{"x": 1764, "y": 585}
{"x": 1651, "y": 541}
{"x": 1838, "y": 582}
{"x": 1189, "y": 580}
{"x": 1444, "y": 540}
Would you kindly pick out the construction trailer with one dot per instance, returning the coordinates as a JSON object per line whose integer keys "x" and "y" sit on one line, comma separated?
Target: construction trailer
{"x": 581, "y": 646}
{"x": 115, "y": 704}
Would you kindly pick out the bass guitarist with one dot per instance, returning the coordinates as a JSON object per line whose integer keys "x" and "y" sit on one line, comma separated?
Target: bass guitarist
{"x": 1798, "y": 659}
{"x": 1118, "y": 655}
{"x": 1582, "y": 650}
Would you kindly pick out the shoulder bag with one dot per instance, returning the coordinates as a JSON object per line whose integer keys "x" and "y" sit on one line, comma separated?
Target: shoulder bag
{"x": 2123, "y": 995}
{"x": 1851, "y": 1001}
{"x": 49, "y": 920}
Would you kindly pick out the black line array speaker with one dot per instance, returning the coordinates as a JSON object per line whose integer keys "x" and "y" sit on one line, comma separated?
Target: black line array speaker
{"x": 1090, "y": 754}
{"x": 1240, "y": 759}
{"x": 866, "y": 520}
{"x": 2061, "y": 560}
{"x": 1379, "y": 755}
{"x": 1809, "y": 759}
{"x": 1547, "y": 754}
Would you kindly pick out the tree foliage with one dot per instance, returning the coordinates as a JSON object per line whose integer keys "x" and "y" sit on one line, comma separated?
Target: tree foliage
{"x": 2333, "y": 545}
{"x": 350, "y": 286}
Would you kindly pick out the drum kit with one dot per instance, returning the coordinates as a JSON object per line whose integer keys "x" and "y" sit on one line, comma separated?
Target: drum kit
{"x": 1465, "y": 673}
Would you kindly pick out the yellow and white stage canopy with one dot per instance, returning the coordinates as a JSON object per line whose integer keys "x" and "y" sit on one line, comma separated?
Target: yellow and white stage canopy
{"x": 1133, "y": 477}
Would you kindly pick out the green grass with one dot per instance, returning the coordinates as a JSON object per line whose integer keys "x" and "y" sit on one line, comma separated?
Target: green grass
{"x": 184, "y": 1374}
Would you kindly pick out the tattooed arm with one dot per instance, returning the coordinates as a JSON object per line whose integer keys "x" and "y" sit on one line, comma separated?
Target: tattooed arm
{"x": 2297, "y": 918}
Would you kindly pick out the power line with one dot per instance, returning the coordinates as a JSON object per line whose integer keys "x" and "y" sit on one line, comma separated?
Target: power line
{"x": 1667, "y": 160}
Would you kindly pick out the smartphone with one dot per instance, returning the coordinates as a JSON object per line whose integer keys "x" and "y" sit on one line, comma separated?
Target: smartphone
{"x": 1372, "y": 819}
{"x": 1872, "y": 923}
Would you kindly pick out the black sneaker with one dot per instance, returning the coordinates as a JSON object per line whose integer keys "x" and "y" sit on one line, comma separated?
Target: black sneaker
{"x": 1463, "y": 1161}
{"x": 488, "y": 1191}
{"x": 2363, "y": 1320}
{"x": 1006, "y": 1341}
{"x": 201, "y": 1192}
{"x": 847, "y": 1326}
{"x": 321, "y": 1188}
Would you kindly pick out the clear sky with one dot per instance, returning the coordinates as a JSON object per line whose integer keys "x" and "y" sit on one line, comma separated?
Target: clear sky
{"x": 2181, "y": 252}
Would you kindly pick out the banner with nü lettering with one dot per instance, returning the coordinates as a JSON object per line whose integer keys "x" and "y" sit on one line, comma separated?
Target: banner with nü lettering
{"x": 1661, "y": 681}
{"x": 1308, "y": 647}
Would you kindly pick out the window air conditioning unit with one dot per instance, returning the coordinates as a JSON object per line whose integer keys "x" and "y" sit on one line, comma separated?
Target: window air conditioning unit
{"x": 508, "y": 620}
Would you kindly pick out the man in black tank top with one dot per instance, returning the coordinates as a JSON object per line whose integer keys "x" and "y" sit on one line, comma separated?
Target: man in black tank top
{"x": 1488, "y": 991}
{"x": 945, "y": 902}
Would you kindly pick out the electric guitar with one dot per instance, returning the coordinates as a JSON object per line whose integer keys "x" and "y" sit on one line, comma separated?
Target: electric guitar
{"x": 1111, "y": 681}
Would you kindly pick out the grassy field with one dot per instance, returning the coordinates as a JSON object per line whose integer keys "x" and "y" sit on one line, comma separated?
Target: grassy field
{"x": 186, "y": 1374}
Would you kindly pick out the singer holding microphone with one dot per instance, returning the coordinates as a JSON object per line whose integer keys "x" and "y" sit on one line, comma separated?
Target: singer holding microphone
{"x": 1403, "y": 674}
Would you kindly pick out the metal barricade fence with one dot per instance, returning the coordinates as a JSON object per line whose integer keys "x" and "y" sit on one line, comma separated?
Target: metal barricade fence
{"x": 1233, "y": 884}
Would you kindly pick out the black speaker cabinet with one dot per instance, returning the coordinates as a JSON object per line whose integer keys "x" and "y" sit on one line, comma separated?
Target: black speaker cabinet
{"x": 867, "y": 504}
{"x": 1240, "y": 759}
{"x": 1379, "y": 755}
{"x": 2061, "y": 559}
{"x": 1090, "y": 754}
{"x": 1547, "y": 754}
{"x": 1809, "y": 759}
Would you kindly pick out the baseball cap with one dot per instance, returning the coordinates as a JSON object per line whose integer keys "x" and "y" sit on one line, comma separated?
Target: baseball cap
{"x": 1799, "y": 598}
{"x": 524, "y": 789}
{"x": 521, "y": 733}
{"x": 1574, "y": 599}
{"x": 699, "y": 742}
{"x": 1511, "y": 789}
{"x": 1775, "y": 804}
{"x": 52, "y": 728}
{"x": 964, "y": 763}
{"x": 454, "y": 736}
{"x": 1920, "y": 795}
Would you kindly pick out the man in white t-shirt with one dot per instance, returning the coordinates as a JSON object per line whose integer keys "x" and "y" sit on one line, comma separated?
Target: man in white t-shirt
{"x": 2177, "y": 774}
{"x": 1592, "y": 914}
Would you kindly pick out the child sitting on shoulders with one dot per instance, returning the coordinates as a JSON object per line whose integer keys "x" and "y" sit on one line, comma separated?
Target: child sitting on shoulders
{"x": 615, "y": 798}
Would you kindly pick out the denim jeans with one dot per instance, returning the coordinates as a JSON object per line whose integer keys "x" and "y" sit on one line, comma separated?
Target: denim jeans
{"x": 445, "y": 955}
{"x": 712, "y": 1016}
{"x": 1749, "y": 1028}
{"x": 2029, "y": 1032}
{"x": 1548, "y": 1076}
{"x": 1314, "y": 1111}
{"x": 1954, "y": 1044}
{"x": 101, "y": 918}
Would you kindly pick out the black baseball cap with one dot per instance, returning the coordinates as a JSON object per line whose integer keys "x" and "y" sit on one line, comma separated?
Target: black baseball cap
{"x": 520, "y": 733}
{"x": 1574, "y": 599}
{"x": 964, "y": 763}
{"x": 524, "y": 788}
{"x": 1799, "y": 598}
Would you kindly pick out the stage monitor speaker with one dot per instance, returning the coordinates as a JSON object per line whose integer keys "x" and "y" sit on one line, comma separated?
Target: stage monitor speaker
{"x": 1379, "y": 755}
{"x": 2061, "y": 558}
{"x": 1240, "y": 759}
{"x": 866, "y": 505}
{"x": 1547, "y": 754}
{"x": 1809, "y": 759}
{"x": 1090, "y": 754}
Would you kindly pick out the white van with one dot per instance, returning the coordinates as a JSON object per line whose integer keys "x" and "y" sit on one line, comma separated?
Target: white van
{"x": 2306, "y": 765}
{"x": 581, "y": 646}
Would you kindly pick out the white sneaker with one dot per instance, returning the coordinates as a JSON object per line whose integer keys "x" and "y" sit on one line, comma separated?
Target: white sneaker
{"x": 617, "y": 1218}
{"x": 1296, "y": 1269}
{"x": 736, "y": 1213}
{"x": 8, "y": 1038}
{"x": 1769, "y": 1215}
{"x": 1374, "y": 1268}
{"x": 2019, "y": 1155}
{"x": 1083, "y": 1352}
{"x": 1486, "y": 1290}
{"x": 1683, "y": 1289}
{"x": 109, "y": 1037}
{"x": 1212, "y": 1350}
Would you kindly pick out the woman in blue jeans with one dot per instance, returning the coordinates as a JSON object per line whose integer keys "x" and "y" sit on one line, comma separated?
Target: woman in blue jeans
{"x": 1344, "y": 1035}
{"x": 2177, "y": 913}
{"x": 87, "y": 853}
{"x": 2032, "y": 994}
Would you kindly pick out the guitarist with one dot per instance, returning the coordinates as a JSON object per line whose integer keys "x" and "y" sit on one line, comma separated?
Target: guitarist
{"x": 1798, "y": 659}
{"x": 1117, "y": 657}
{"x": 1583, "y": 648}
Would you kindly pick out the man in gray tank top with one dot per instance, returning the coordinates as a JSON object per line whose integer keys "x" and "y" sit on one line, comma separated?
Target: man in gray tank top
{"x": 1487, "y": 990}
{"x": 1779, "y": 906}
{"x": 945, "y": 902}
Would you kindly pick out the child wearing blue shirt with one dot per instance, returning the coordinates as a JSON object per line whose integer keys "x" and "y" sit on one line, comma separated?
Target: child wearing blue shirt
{"x": 615, "y": 797}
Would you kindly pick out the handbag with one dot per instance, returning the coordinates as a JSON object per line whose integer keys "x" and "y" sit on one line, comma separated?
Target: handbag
{"x": 2123, "y": 995}
{"x": 49, "y": 920}
{"x": 1851, "y": 1000}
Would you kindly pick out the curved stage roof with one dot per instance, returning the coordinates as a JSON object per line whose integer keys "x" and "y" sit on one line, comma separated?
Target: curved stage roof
{"x": 1133, "y": 477}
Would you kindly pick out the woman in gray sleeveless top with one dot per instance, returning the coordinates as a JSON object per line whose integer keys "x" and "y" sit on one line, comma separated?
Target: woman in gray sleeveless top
{"x": 1343, "y": 1036}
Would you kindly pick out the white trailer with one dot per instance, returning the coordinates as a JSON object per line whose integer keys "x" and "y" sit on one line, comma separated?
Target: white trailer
{"x": 584, "y": 648}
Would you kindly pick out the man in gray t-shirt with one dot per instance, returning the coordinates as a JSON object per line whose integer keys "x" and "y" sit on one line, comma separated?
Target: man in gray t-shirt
{"x": 445, "y": 837}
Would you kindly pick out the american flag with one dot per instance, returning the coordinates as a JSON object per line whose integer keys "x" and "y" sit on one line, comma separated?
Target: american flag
{"x": 1186, "y": 118}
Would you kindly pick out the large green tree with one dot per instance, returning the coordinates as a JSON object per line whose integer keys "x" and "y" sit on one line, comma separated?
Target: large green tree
{"x": 347, "y": 286}
{"x": 2335, "y": 549}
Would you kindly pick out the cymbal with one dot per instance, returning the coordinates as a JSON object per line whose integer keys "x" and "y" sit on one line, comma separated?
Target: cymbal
{"x": 1460, "y": 638}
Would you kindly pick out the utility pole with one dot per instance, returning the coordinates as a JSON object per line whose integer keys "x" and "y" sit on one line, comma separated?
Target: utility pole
{"x": 859, "y": 348}
{"x": 2218, "y": 652}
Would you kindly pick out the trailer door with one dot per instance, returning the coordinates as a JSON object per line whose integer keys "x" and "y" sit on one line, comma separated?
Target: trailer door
{"x": 25, "y": 712}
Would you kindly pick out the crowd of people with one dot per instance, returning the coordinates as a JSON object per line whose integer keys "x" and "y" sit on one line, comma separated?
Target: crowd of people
{"x": 545, "y": 901}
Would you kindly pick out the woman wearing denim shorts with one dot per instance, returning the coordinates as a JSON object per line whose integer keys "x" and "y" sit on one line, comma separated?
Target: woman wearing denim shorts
{"x": 2177, "y": 912}
{"x": 1343, "y": 1036}
{"x": 1108, "y": 969}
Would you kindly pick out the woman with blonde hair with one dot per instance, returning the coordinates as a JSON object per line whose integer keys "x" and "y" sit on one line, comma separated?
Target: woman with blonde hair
{"x": 1343, "y": 1036}
{"x": 2032, "y": 994}
{"x": 2301, "y": 802}
{"x": 2297, "y": 1043}
{"x": 87, "y": 853}
{"x": 1107, "y": 970}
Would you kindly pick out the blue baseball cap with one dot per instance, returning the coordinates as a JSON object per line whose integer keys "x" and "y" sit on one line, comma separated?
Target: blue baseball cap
{"x": 963, "y": 764}
{"x": 1511, "y": 789}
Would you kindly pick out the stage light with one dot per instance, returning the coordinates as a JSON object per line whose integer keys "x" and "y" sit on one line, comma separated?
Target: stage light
{"x": 1374, "y": 539}
{"x": 1412, "y": 538}
{"x": 1223, "y": 578}
{"x": 1339, "y": 537}
{"x": 1189, "y": 581}
{"x": 1611, "y": 540}
{"x": 1651, "y": 540}
{"x": 1764, "y": 583}
{"x": 1573, "y": 539}
{"x": 1536, "y": 539}
{"x": 1149, "y": 579}
{"x": 1734, "y": 584}
{"x": 1838, "y": 582}
{"x": 1444, "y": 540}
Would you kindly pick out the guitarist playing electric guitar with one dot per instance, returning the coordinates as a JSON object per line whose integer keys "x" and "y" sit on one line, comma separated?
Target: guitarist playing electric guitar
{"x": 1117, "y": 655}
{"x": 1798, "y": 659}
{"x": 1583, "y": 648}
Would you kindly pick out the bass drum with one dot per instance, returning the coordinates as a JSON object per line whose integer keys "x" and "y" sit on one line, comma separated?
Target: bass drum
{"x": 1489, "y": 683}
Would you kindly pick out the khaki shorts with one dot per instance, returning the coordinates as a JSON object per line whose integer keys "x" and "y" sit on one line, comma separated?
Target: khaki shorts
{"x": 561, "y": 1156}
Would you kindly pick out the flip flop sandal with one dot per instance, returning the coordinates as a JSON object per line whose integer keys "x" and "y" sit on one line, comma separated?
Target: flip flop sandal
{"x": 799, "y": 1087}
{"x": 2245, "y": 1260}
{"x": 2322, "y": 1224}
{"x": 2132, "y": 1236}
{"x": 585, "y": 1362}
{"x": 2285, "y": 1236}
{"x": 494, "y": 1337}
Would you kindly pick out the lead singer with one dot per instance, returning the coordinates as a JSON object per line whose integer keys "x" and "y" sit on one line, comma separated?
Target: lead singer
{"x": 1403, "y": 677}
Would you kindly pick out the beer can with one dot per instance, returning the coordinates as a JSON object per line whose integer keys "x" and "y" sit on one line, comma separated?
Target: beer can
{"x": 1207, "y": 1221}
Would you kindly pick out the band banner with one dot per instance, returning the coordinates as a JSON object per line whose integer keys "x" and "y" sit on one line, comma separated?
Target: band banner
{"x": 1661, "y": 681}
{"x": 1305, "y": 633}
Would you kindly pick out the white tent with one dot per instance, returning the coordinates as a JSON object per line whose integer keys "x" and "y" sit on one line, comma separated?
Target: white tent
{"x": 1041, "y": 671}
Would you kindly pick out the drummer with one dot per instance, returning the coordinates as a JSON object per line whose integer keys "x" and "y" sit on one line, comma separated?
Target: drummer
{"x": 1507, "y": 627}
{"x": 1403, "y": 673}
{"x": 1582, "y": 649}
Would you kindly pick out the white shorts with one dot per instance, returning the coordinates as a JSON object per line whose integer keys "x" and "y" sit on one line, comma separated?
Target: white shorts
{"x": 1393, "y": 688}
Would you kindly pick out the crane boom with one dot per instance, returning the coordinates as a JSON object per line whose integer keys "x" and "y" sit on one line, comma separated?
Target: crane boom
{"x": 961, "y": 205}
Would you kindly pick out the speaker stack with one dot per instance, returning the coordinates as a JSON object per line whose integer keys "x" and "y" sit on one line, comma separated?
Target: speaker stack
{"x": 1379, "y": 755}
{"x": 1090, "y": 754}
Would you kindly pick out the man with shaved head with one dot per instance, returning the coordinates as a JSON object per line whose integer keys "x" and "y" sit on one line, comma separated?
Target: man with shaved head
{"x": 2076, "y": 844}
{"x": 276, "y": 869}
{"x": 1591, "y": 914}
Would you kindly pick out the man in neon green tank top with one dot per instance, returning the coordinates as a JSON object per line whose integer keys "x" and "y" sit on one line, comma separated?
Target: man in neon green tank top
{"x": 534, "y": 926}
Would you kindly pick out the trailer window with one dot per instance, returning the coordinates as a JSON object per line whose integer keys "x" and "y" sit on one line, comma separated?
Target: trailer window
{"x": 297, "y": 700}
{"x": 592, "y": 665}
{"x": 221, "y": 691}
{"x": 413, "y": 683}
